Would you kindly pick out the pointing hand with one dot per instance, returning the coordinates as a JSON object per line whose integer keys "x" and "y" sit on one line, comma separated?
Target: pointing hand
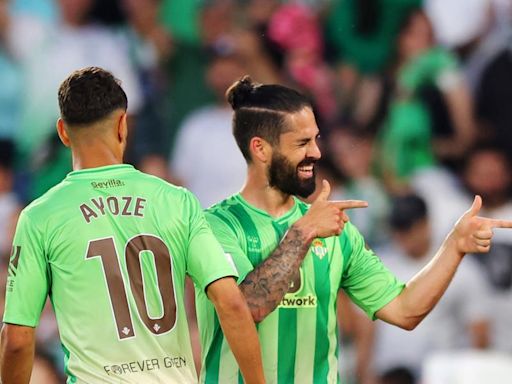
{"x": 327, "y": 218}
{"x": 473, "y": 233}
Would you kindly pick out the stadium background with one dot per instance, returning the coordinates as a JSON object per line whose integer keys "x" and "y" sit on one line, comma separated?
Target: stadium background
{"x": 411, "y": 97}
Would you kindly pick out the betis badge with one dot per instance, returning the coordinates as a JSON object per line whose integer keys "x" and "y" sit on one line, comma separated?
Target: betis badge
{"x": 318, "y": 248}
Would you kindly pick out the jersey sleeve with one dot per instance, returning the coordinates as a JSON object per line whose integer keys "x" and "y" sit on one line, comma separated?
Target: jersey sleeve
{"x": 28, "y": 280}
{"x": 365, "y": 278}
{"x": 226, "y": 235}
{"x": 206, "y": 262}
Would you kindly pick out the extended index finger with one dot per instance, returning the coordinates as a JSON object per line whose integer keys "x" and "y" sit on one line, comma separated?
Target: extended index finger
{"x": 495, "y": 223}
{"x": 349, "y": 204}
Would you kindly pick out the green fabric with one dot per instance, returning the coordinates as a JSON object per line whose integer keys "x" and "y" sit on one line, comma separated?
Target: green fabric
{"x": 80, "y": 238}
{"x": 299, "y": 339}
{"x": 181, "y": 18}
{"x": 406, "y": 139}
{"x": 50, "y": 173}
{"x": 369, "y": 53}
{"x": 425, "y": 70}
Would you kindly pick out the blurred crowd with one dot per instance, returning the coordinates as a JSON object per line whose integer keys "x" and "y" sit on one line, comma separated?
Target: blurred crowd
{"x": 413, "y": 99}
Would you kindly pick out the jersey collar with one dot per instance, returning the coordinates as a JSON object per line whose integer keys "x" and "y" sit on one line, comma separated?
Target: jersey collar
{"x": 285, "y": 217}
{"x": 107, "y": 169}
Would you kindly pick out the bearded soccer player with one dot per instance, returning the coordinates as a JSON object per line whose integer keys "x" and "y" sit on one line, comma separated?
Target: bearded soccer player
{"x": 111, "y": 247}
{"x": 293, "y": 258}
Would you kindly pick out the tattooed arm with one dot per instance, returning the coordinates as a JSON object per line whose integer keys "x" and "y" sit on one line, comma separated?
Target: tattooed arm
{"x": 265, "y": 286}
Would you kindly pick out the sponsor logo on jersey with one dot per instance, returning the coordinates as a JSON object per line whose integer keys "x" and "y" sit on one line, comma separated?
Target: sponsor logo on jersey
{"x": 146, "y": 365}
{"x": 107, "y": 184}
{"x": 318, "y": 248}
{"x": 291, "y": 301}
{"x": 296, "y": 297}
{"x": 253, "y": 244}
{"x": 13, "y": 267}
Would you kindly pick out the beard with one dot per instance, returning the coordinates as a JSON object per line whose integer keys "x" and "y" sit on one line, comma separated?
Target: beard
{"x": 283, "y": 175}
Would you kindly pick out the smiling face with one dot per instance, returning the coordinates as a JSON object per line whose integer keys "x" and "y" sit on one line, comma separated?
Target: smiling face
{"x": 291, "y": 169}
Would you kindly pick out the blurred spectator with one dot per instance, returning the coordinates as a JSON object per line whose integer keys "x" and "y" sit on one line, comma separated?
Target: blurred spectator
{"x": 206, "y": 159}
{"x": 181, "y": 18}
{"x": 10, "y": 207}
{"x": 187, "y": 89}
{"x": 487, "y": 173}
{"x": 47, "y": 52}
{"x": 364, "y": 31}
{"x": 361, "y": 37}
{"x": 483, "y": 40}
{"x": 351, "y": 151}
{"x": 150, "y": 45}
{"x": 460, "y": 319}
{"x": 10, "y": 96}
{"x": 409, "y": 139}
{"x": 441, "y": 190}
{"x": 296, "y": 29}
{"x": 222, "y": 27}
{"x": 356, "y": 332}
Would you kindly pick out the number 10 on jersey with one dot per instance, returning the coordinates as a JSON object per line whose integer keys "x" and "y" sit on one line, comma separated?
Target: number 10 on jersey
{"x": 105, "y": 249}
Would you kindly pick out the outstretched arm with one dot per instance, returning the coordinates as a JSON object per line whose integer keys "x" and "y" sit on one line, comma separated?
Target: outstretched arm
{"x": 470, "y": 234}
{"x": 16, "y": 354}
{"x": 238, "y": 327}
{"x": 265, "y": 286}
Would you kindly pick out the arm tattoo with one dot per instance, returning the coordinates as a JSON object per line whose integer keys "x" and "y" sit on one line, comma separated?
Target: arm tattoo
{"x": 265, "y": 286}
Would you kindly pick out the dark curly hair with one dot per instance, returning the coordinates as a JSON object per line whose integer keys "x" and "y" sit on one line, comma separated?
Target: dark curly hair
{"x": 89, "y": 95}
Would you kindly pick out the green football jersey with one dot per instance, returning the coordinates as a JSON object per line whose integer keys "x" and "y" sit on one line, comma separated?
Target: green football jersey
{"x": 299, "y": 339}
{"x": 111, "y": 247}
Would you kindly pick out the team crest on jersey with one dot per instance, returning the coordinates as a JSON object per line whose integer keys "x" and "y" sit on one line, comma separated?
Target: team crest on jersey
{"x": 318, "y": 248}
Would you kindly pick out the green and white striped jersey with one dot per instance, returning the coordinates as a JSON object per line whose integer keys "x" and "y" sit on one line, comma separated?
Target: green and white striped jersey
{"x": 299, "y": 339}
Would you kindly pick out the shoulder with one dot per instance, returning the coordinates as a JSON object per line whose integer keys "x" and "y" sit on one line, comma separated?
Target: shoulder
{"x": 47, "y": 202}
{"x": 223, "y": 206}
{"x": 225, "y": 214}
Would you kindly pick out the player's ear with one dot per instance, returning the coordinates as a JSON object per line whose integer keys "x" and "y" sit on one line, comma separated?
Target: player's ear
{"x": 122, "y": 128}
{"x": 61, "y": 131}
{"x": 260, "y": 149}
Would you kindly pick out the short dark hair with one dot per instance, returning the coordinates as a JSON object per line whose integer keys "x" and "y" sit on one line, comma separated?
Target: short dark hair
{"x": 89, "y": 95}
{"x": 406, "y": 211}
{"x": 260, "y": 110}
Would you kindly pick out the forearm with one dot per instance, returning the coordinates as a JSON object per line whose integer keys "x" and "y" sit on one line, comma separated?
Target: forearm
{"x": 239, "y": 329}
{"x": 266, "y": 285}
{"x": 423, "y": 291}
{"x": 16, "y": 358}
{"x": 461, "y": 112}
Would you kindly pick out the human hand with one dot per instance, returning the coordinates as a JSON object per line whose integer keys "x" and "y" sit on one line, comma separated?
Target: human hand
{"x": 327, "y": 218}
{"x": 473, "y": 233}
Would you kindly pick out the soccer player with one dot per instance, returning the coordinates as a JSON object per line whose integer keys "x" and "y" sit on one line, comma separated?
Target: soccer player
{"x": 292, "y": 258}
{"x": 111, "y": 247}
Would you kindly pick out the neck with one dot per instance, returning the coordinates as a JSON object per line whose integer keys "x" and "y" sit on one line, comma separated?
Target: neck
{"x": 84, "y": 158}
{"x": 260, "y": 194}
